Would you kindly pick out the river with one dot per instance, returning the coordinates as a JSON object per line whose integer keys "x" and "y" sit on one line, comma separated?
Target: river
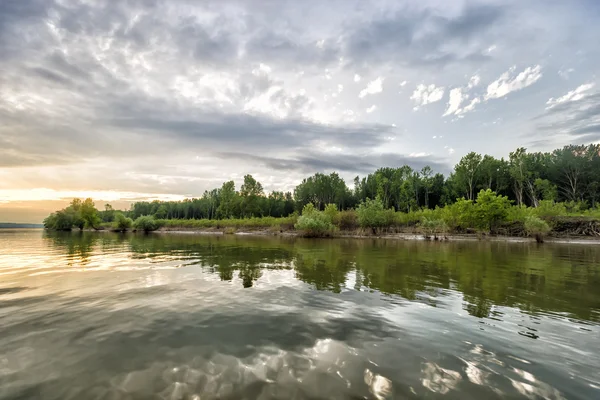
{"x": 88, "y": 315}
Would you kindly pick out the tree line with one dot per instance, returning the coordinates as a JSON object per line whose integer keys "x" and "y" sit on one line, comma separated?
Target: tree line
{"x": 570, "y": 174}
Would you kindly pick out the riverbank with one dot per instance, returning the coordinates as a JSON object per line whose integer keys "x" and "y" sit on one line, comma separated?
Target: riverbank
{"x": 408, "y": 235}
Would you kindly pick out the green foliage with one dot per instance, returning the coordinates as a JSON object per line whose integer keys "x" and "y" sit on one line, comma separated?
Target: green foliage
{"x": 60, "y": 220}
{"x": 548, "y": 208}
{"x": 370, "y": 214}
{"x": 308, "y": 209}
{"x": 548, "y": 185}
{"x": 332, "y": 213}
{"x": 490, "y": 209}
{"x": 146, "y": 223}
{"x": 314, "y": 223}
{"x": 460, "y": 215}
{"x": 121, "y": 222}
{"x": 536, "y": 227}
{"x": 348, "y": 220}
{"x": 78, "y": 214}
{"x": 89, "y": 214}
{"x": 433, "y": 227}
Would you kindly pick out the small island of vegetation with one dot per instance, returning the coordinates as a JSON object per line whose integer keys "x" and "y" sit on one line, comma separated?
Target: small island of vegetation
{"x": 530, "y": 194}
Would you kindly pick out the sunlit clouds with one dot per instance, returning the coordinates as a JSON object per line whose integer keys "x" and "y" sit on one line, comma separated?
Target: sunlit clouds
{"x": 167, "y": 99}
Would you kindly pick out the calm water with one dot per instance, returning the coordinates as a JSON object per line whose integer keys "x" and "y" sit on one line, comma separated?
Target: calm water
{"x": 108, "y": 316}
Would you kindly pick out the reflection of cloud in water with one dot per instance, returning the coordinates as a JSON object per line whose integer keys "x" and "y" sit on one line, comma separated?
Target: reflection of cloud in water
{"x": 533, "y": 388}
{"x": 326, "y": 369}
{"x": 379, "y": 385}
{"x": 438, "y": 379}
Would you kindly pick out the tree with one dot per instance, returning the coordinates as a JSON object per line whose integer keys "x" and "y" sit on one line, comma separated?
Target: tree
{"x": 228, "y": 200}
{"x": 427, "y": 182}
{"x": 162, "y": 212}
{"x": 250, "y": 192}
{"x": 467, "y": 173}
{"x": 89, "y": 213}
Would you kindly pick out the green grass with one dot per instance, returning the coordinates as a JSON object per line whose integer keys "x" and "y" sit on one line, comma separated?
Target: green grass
{"x": 286, "y": 223}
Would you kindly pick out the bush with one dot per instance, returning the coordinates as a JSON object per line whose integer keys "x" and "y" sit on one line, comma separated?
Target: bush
{"x": 146, "y": 223}
{"x": 348, "y": 220}
{"x": 60, "y": 221}
{"x": 371, "y": 214}
{"x": 548, "y": 208}
{"x": 122, "y": 223}
{"x": 491, "y": 209}
{"x": 331, "y": 211}
{"x": 536, "y": 227}
{"x": 314, "y": 224}
{"x": 519, "y": 213}
{"x": 229, "y": 230}
{"x": 432, "y": 227}
{"x": 460, "y": 215}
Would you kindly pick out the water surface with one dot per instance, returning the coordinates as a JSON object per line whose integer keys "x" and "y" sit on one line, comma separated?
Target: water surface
{"x": 167, "y": 316}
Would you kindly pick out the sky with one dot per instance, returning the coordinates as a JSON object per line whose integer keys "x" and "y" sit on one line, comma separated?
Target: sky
{"x": 163, "y": 99}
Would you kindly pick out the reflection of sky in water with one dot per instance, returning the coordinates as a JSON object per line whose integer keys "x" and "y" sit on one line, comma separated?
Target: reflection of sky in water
{"x": 97, "y": 317}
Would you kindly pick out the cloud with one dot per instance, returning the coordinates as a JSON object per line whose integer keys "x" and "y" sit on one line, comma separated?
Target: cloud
{"x": 506, "y": 83}
{"x": 574, "y": 95}
{"x": 143, "y": 95}
{"x": 426, "y": 94}
{"x": 406, "y": 37}
{"x": 455, "y": 99}
{"x": 576, "y": 119}
{"x": 474, "y": 81}
{"x": 373, "y": 87}
{"x": 352, "y": 163}
{"x": 458, "y": 96}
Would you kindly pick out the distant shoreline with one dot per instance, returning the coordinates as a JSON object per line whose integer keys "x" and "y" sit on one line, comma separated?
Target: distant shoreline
{"x": 13, "y": 225}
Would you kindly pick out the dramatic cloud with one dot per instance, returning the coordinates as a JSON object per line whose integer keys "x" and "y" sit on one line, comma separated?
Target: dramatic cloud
{"x": 424, "y": 94}
{"x": 164, "y": 99}
{"x": 574, "y": 119}
{"x": 506, "y": 83}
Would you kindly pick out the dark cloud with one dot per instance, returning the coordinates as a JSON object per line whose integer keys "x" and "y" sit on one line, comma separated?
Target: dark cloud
{"x": 364, "y": 164}
{"x": 423, "y": 38}
{"x": 258, "y": 133}
{"x": 578, "y": 119}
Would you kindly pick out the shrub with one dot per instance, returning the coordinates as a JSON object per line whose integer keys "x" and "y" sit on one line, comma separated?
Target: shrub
{"x": 60, "y": 221}
{"x": 331, "y": 211}
{"x": 491, "y": 209}
{"x": 309, "y": 209}
{"x": 548, "y": 208}
{"x": 371, "y": 214}
{"x": 432, "y": 227}
{"x": 314, "y": 224}
{"x": 460, "y": 215}
{"x": 348, "y": 220}
{"x": 122, "y": 223}
{"x": 519, "y": 213}
{"x": 146, "y": 223}
{"x": 536, "y": 227}
{"x": 229, "y": 230}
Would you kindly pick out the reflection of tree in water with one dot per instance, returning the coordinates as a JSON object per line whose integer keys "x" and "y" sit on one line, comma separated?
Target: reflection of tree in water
{"x": 529, "y": 277}
{"x": 78, "y": 245}
{"x": 326, "y": 269}
{"x": 478, "y": 306}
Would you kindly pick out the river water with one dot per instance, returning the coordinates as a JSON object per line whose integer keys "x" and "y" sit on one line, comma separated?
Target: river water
{"x": 167, "y": 316}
